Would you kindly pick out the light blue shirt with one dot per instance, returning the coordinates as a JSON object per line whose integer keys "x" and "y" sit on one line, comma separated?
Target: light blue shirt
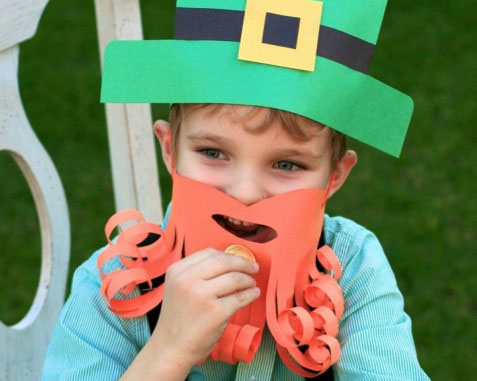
{"x": 91, "y": 343}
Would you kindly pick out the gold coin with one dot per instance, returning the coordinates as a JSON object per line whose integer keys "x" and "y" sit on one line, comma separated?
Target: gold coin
{"x": 240, "y": 251}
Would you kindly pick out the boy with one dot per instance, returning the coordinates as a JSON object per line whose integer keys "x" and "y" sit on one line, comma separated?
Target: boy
{"x": 241, "y": 159}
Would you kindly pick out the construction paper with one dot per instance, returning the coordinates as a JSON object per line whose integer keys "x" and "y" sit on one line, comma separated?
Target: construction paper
{"x": 300, "y": 304}
{"x": 208, "y": 24}
{"x": 280, "y": 30}
{"x": 345, "y": 49}
{"x": 344, "y": 99}
{"x": 303, "y": 56}
{"x": 344, "y": 15}
{"x": 226, "y": 25}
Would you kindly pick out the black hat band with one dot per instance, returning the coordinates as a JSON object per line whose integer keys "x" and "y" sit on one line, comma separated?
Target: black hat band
{"x": 226, "y": 25}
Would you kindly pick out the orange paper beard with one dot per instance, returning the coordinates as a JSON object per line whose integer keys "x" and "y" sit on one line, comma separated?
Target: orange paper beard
{"x": 300, "y": 305}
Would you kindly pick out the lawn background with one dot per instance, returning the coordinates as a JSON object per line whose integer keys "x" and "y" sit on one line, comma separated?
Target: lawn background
{"x": 423, "y": 207}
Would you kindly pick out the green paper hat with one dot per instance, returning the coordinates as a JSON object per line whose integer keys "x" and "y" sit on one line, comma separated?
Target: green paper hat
{"x": 304, "y": 56}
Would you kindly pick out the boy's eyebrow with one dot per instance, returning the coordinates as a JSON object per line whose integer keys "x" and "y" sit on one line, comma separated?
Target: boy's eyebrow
{"x": 291, "y": 152}
{"x": 207, "y": 136}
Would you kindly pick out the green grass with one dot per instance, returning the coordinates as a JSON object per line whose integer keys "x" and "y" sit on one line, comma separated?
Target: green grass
{"x": 422, "y": 207}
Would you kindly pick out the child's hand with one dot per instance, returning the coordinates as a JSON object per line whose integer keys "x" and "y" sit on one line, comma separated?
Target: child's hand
{"x": 202, "y": 292}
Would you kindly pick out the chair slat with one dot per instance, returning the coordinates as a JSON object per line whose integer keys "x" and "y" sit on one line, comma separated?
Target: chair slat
{"x": 131, "y": 140}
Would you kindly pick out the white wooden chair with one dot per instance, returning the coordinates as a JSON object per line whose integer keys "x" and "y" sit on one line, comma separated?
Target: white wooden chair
{"x": 135, "y": 178}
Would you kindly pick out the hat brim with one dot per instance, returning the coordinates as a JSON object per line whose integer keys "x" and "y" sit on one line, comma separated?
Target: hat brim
{"x": 177, "y": 71}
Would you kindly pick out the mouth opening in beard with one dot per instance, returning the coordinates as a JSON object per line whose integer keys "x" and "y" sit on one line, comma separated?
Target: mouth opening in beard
{"x": 246, "y": 230}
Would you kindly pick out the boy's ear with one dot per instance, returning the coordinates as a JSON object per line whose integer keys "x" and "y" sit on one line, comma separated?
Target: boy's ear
{"x": 162, "y": 129}
{"x": 342, "y": 170}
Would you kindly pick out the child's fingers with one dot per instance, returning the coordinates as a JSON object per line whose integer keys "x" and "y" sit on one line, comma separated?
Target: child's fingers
{"x": 233, "y": 302}
{"x": 216, "y": 265}
{"x": 195, "y": 258}
{"x": 228, "y": 283}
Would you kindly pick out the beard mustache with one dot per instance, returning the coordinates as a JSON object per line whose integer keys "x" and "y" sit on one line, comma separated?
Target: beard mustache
{"x": 301, "y": 305}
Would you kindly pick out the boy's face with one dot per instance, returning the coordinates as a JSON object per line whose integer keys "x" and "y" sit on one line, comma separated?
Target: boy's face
{"x": 217, "y": 149}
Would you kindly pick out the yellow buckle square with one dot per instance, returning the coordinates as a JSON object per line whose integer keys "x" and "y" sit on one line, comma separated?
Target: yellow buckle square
{"x": 304, "y": 56}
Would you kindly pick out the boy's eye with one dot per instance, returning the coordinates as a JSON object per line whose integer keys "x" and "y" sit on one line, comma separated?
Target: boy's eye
{"x": 211, "y": 153}
{"x": 287, "y": 166}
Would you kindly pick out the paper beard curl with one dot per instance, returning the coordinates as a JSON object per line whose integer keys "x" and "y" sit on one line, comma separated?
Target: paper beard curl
{"x": 301, "y": 305}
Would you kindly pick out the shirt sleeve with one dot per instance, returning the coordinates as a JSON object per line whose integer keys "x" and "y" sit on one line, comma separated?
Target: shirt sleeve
{"x": 375, "y": 332}
{"x": 89, "y": 342}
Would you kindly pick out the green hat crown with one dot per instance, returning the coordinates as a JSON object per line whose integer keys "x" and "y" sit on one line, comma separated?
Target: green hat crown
{"x": 303, "y": 56}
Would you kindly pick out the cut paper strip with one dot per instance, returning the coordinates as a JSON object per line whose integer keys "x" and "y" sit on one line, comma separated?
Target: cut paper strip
{"x": 300, "y": 311}
{"x": 329, "y": 261}
{"x": 119, "y": 218}
{"x": 298, "y": 324}
{"x": 325, "y": 291}
{"x": 226, "y": 344}
{"x": 325, "y": 321}
{"x": 247, "y": 343}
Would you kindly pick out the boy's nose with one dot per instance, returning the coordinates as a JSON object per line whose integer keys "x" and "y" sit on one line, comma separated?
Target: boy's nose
{"x": 246, "y": 188}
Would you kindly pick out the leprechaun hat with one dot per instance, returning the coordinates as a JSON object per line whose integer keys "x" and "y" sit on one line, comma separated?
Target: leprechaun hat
{"x": 304, "y": 56}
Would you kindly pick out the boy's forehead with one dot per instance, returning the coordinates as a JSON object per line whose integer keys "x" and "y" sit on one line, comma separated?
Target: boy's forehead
{"x": 229, "y": 111}
{"x": 252, "y": 118}
{"x": 231, "y": 124}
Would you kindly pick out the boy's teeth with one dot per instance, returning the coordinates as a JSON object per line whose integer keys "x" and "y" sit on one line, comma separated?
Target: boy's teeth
{"x": 238, "y": 222}
{"x": 234, "y": 221}
{"x": 247, "y": 230}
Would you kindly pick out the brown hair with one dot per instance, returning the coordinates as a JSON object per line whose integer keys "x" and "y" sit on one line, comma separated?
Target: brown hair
{"x": 292, "y": 124}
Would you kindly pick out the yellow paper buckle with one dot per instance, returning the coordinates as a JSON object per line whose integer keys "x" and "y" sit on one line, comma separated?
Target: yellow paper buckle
{"x": 303, "y": 57}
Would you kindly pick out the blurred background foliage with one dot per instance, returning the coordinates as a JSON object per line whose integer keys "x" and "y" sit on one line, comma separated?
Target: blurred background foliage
{"x": 423, "y": 207}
